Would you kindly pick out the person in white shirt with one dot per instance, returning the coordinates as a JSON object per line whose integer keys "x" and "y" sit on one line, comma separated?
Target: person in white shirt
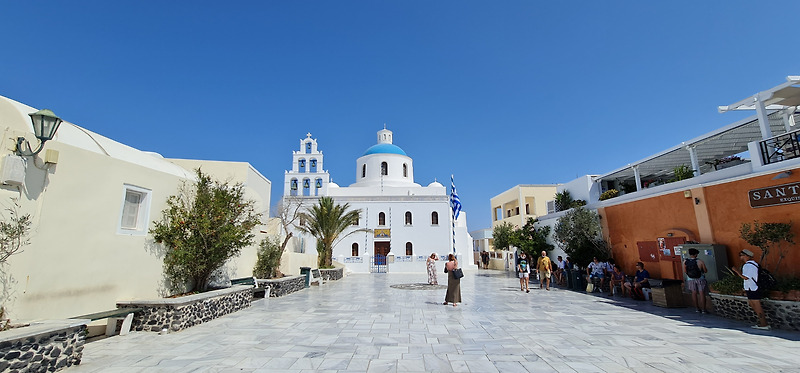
{"x": 560, "y": 270}
{"x": 596, "y": 269}
{"x": 750, "y": 276}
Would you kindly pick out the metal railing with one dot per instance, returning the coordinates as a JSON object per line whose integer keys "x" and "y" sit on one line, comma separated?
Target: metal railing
{"x": 780, "y": 148}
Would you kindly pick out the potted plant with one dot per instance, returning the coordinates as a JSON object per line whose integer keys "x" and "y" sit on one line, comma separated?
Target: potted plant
{"x": 730, "y": 284}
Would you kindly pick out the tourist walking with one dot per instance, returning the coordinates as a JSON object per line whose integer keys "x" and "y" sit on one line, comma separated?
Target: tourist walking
{"x": 560, "y": 264}
{"x": 431, "y": 263}
{"x": 750, "y": 276}
{"x": 524, "y": 270}
{"x": 485, "y": 259}
{"x": 545, "y": 268}
{"x": 453, "y": 284}
{"x": 696, "y": 269}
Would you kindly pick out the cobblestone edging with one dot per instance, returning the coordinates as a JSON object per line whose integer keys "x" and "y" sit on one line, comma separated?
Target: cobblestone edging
{"x": 175, "y": 314}
{"x": 43, "y": 347}
{"x": 332, "y": 274}
{"x": 286, "y": 285}
{"x": 780, "y": 314}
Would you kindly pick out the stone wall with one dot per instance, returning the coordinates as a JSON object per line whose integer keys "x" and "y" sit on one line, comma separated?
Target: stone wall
{"x": 332, "y": 274}
{"x": 780, "y": 314}
{"x": 47, "y": 346}
{"x": 176, "y": 314}
{"x": 286, "y": 285}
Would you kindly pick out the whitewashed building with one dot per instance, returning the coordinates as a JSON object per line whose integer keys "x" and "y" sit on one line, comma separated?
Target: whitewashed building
{"x": 400, "y": 218}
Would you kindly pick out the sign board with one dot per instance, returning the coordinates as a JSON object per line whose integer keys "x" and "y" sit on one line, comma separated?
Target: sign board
{"x": 383, "y": 233}
{"x": 775, "y": 195}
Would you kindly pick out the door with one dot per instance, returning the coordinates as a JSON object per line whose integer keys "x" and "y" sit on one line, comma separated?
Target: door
{"x": 379, "y": 260}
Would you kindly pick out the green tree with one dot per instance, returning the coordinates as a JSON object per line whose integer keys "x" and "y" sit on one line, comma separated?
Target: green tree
{"x": 202, "y": 227}
{"x": 768, "y": 236}
{"x": 532, "y": 240}
{"x": 326, "y": 221}
{"x": 579, "y": 234}
{"x": 564, "y": 201}
{"x": 269, "y": 258}
{"x": 503, "y": 236}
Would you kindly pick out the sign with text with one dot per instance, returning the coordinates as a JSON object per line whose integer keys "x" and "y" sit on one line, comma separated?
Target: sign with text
{"x": 775, "y": 195}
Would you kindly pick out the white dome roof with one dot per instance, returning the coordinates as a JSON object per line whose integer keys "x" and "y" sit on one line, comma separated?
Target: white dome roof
{"x": 333, "y": 185}
{"x": 435, "y": 184}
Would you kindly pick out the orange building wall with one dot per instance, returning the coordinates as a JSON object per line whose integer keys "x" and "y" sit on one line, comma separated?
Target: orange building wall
{"x": 717, "y": 217}
{"x": 730, "y": 207}
{"x": 646, "y": 220}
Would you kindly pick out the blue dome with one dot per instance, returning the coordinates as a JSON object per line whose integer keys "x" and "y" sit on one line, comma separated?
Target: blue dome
{"x": 385, "y": 149}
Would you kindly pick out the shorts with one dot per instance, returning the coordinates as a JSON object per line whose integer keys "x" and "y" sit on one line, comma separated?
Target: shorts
{"x": 699, "y": 285}
{"x": 523, "y": 275}
{"x": 598, "y": 275}
{"x": 753, "y": 294}
{"x": 544, "y": 274}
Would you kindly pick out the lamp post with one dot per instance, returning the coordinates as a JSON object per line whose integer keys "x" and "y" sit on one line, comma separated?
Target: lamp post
{"x": 45, "y": 125}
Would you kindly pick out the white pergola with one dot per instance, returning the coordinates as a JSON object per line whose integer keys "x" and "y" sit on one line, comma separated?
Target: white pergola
{"x": 776, "y": 112}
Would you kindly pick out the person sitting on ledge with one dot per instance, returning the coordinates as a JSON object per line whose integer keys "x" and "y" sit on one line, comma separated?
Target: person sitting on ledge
{"x": 640, "y": 281}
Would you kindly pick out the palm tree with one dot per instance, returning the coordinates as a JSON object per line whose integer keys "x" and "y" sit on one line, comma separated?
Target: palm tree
{"x": 326, "y": 221}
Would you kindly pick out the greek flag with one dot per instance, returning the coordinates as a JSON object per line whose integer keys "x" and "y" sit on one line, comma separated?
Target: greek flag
{"x": 455, "y": 203}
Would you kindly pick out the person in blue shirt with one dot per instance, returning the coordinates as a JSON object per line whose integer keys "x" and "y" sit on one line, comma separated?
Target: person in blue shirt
{"x": 641, "y": 280}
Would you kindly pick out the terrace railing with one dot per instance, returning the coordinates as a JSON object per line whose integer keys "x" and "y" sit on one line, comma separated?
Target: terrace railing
{"x": 780, "y": 148}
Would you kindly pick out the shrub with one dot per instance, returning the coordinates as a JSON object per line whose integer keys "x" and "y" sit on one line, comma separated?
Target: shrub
{"x": 269, "y": 258}
{"x": 202, "y": 227}
{"x": 611, "y": 193}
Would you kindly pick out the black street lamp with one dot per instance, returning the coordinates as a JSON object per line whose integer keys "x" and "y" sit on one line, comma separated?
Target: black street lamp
{"x": 45, "y": 125}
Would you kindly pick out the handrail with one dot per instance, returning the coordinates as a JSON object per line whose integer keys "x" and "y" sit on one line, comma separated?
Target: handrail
{"x": 780, "y": 148}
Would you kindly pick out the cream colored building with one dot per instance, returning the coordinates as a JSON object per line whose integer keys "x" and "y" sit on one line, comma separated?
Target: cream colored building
{"x": 92, "y": 201}
{"x": 521, "y": 202}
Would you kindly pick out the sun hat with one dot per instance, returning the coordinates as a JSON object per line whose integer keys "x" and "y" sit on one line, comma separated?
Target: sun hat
{"x": 747, "y": 252}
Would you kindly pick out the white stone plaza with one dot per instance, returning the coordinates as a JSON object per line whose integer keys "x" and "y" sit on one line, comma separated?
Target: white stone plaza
{"x": 363, "y": 324}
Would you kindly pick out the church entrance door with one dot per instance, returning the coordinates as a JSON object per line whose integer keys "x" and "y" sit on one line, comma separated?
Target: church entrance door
{"x": 379, "y": 260}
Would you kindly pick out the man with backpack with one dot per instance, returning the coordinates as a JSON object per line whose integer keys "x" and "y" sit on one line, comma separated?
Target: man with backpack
{"x": 750, "y": 276}
{"x": 696, "y": 269}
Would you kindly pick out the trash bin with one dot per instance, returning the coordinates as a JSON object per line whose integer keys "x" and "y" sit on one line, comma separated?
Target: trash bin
{"x": 578, "y": 282}
{"x": 568, "y": 275}
{"x": 306, "y": 271}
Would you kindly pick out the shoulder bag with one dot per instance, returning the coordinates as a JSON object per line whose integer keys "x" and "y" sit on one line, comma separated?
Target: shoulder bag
{"x": 457, "y": 273}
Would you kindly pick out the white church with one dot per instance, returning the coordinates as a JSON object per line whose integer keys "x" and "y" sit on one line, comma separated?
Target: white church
{"x": 401, "y": 223}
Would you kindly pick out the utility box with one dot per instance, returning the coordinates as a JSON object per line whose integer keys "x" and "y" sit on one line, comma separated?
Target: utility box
{"x": 13, "y": 170}
{"x": 714, "y": 256}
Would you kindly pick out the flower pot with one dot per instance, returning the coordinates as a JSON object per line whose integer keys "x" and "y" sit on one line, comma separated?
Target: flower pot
{"x": 776, "y": 295}
{"x": 793, "y": 295}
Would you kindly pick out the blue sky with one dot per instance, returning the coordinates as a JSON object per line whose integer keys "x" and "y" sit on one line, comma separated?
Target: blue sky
{"x": 496, "y": 93}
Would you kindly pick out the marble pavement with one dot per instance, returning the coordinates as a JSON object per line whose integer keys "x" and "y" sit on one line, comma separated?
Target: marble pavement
{"x": 363, "y": 324}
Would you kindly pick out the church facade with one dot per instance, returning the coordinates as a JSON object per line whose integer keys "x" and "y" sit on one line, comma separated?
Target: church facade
{"x": 401, "y": 220}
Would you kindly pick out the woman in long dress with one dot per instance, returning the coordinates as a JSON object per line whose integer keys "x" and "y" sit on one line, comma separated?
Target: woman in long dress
{"x": 453, "y": 284}
{"x": 432, "y": 280}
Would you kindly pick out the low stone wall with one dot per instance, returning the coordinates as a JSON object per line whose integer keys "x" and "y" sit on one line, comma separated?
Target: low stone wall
{"x": 176, "y": 314}
{"x": 286, "y": 285}
{"x": 780, "y": 314}
{"x": 46, "y": 346}
{"x": 332, "y": 274}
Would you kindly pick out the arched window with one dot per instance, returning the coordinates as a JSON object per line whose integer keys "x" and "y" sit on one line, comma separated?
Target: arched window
{"x": 293, "y": 187}
{"x": 308, "y": 147}
{"x": 384, "y": 168}
{"x": 408, "y": 217}
{"x": 313, "y": 165}
{"x": 381, "y": 219}
{"x": 356, "y": 221}
{"x": 405, "y": 170}
{"x": 364, "y": 171}
{"x": 306, "y": 187}
{"x": 435, "y": 218}
{"x": 301, "y": 165}
{"x": 409, "y": 248}
{"x": 354, "y": 251}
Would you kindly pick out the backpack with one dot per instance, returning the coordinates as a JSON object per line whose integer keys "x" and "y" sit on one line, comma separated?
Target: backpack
{"x": 766, "y": 280}
{"x": 692, "y": 269}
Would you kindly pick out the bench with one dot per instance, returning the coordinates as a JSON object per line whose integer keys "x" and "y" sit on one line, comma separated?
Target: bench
{"x": 113, "y": 315}
{"x": 258, "y": 291}
{"x": 316, "y": 277}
